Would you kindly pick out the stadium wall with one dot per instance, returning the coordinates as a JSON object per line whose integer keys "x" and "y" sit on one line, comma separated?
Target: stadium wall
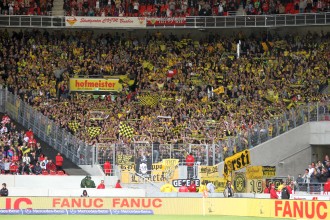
{"x": 294, "y": 209}
{"x": 292, "y": 151}
{"x": 58, "y": 182}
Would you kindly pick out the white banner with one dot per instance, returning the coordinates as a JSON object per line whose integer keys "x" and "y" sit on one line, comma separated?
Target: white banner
{"x": 106, "y": 22}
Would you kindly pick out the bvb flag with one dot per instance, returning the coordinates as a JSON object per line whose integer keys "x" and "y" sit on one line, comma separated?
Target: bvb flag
{"x": 125, "y": 130}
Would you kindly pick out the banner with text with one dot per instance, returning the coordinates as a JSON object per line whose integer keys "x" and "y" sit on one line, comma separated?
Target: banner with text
{"x": 268, "y": 171}
{"x": 167, "y": 169}
{"x": 268, "y": 208}
{"x": 105, "y": 22}
{"x": 208, "y": 171}
{"x": 218, "y": 182}
{"x": 95, "y": 85}
{"x": 236, "y": 162}
{"x": 167, "y": 21}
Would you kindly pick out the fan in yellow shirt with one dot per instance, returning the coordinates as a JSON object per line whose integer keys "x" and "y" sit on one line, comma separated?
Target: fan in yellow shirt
{"x": 168, "y": 187}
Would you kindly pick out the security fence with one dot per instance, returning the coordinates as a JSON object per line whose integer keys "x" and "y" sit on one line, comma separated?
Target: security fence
{"x": 210, "y": 153}
{"x": 46, "y": 129}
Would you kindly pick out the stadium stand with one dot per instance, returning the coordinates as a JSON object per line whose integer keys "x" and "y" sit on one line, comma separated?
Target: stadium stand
{"x": 163, "y": 8}
{"x": 31, "y": 7}
{"x": 174, "y": 8}
{"x": 20, "y": 154}
{"x": 19, "y": 157}
{"x": 175, "y": 88}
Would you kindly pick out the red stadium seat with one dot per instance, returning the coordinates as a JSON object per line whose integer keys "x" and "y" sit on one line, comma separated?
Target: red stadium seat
{"x": 44, "y": 172}
{"x": 52, "y": 172}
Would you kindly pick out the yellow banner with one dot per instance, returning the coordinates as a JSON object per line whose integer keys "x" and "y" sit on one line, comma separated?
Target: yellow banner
{"x": 218, "y": 182}
{"x": 236, "y": 162}
{"x": 239, "y": 182}
{"x": 255, "y": 186}
{"x": 82, "y": 85}
{"x": 209, "y": 171}
{"x": 254, "y": 172}
{"x": 269, "y": 208}
{"x": 167, "y": 169}
{"x": 268, "y": 171}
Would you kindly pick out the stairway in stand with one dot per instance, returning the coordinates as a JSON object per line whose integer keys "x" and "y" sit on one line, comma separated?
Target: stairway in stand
{"x": 58, "y": 8}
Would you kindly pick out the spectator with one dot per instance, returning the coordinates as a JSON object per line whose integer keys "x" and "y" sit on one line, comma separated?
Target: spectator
{"x": 50, "y": 166}
{"x": 285, "y": 194}
{"x": 268, "y": 188}
{"x": 306, "y": 177}
{"x": 155, "y": 147}
{"x": 167, "y": 187}
{"x": 210, "y": 187}
{"x": 26, "y": 159}
{"x": 101, "y": 185}
{"x": 43, "y": 163}
{"x": 29, "y": 133}
{"x": 302, "y": 6}
{"x": 183, "y": 188}
{"x": 89, "y": 183}
{"x": 326, "y": 189}
{"x": 59, "y": 161}
{"x": 37, "y": 169}
{"x": 118, "y": 186}
{"x": 192, "y": 186}
{"x": 83, "y": 182}
{"x": 4, "y": 190}
{"x": 107, "y": 167}
{"x": 190, "y": 160}
{"x": 84, "y": 194}
{"x": 229, "y": 190}
{"x": 273, "y": 194}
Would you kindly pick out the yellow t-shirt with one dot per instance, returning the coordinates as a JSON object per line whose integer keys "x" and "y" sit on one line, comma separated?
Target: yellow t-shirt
{"x": 167, "y": 188}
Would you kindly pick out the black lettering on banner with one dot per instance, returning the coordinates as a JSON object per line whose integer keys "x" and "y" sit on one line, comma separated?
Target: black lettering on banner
{"x": 269, "y": 171}
{"x": 236, "y": 162}
{"x": 178, "y": 182}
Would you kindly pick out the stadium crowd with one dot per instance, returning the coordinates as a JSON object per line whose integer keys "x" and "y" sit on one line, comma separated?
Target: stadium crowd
{"x": 26, "y": 7}
{"x": 176, "y": 8}
{"x": 316, "y": 173}
{"x": 21, "y": 154}
{"x": 175, "y": 89}
{"x": 163, "y": 8}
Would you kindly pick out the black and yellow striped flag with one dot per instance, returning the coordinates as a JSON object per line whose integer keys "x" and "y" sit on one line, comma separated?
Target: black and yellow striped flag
{"x": 125, "y": 130}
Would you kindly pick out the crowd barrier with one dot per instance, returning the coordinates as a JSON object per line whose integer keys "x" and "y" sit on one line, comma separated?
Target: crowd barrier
{"x": 168, "y": 206}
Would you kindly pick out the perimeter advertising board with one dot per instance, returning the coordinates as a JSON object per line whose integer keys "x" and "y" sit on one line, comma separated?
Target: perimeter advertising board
{"x": 105, "y": 22}
{"x": 294, "y": 209}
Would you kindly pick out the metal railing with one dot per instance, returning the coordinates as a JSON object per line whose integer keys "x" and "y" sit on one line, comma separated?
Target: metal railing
{"x": 205, "y": 154}
{"x": 47, "y": 130}
{"x": 278, "y": 20}
{"x": 313, "y": 188}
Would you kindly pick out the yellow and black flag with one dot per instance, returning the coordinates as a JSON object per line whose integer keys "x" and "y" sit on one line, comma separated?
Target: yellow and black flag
{"x": 93, "y": 131}
{"x": 125, "y": 130}
{"x": 74, "y": 126}
{"x": 150, "y": 100}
